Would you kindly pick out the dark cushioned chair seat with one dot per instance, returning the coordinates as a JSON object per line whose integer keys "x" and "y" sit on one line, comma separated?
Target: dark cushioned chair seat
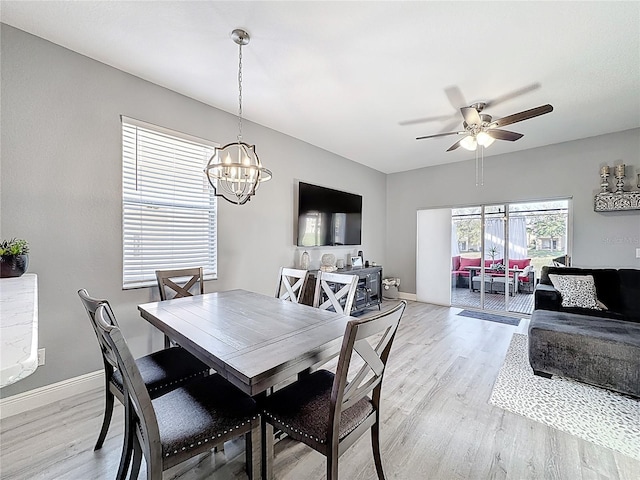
{"x": 599, "y": 351}
{"x": 303, "y": 407}
{"x": 165, "y": 370}
{"x": 199, "y": 412}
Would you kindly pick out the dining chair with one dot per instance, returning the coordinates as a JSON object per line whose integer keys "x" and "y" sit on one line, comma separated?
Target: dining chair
{"x": 329, "y": 413}
{"x": 179, "y": 283}
{"x": 171, "y": 287}
{"x": 341, "y": 300}
{"x": 184, "y": 422}
{"x": 291, "y": 283}
{"x": 161, "y": 371}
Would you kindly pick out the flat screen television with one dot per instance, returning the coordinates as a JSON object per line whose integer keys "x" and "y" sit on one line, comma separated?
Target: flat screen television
{"x": 328, "y": 217}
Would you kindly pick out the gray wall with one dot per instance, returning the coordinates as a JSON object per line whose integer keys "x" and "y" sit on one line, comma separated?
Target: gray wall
{"x": 568, "y": 169}
{"x": 61, "y": 190}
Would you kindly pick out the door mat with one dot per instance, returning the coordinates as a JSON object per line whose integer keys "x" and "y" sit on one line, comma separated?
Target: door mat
{"x": 491, "y": 317}
{"x": 599, "y": 416}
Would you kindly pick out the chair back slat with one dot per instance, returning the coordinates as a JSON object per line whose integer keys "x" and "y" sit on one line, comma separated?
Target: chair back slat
{"x": 291, "y": 282}
{"x": 373, "y": 369}
{"x": 91, "y": 305}
{"x": 369, "y": 377}
{"x": 137, "y": 402}
{"x": 180, "y": 283}
{"x": 340, "y": 301}
{"x": 369, "y": 355}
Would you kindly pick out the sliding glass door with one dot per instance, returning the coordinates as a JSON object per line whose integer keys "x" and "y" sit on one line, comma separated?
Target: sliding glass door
{"x": 498, "y": 252}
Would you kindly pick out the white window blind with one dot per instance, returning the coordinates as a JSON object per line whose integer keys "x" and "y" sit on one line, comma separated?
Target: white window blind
{"x": 168, "y": 208}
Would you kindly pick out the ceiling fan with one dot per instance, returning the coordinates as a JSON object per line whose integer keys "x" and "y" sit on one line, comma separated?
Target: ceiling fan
{"x": 457, "y": 100}
{"x": 481, "y": 129}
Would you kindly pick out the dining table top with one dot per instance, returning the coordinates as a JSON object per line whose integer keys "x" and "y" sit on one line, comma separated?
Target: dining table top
{"x": 253, "y": 340}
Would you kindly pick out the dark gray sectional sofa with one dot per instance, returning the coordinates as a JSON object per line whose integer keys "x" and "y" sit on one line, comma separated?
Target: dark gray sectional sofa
{"x": 599, "y": 347}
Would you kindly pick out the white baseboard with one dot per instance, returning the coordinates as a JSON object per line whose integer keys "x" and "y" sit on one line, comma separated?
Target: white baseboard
{"x": 407, "y": 296}
{"x": 39, "y": 397}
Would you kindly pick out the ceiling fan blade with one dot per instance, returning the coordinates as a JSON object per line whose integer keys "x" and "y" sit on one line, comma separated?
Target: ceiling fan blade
{"x": 456, "y": 99}
{"x": 470, "y": 115}
{"x": 455, "y": 145}
{"x": 525, "y": 115}
{"x": 509, "y": 96}
{"x": 437, "y": 118}
{"x": 504, "y": 135}
{"x": 438, "y": 135}
{"x": 455, "y": 122}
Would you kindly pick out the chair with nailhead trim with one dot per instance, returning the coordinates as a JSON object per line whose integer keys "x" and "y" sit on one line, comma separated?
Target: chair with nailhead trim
{"x": 328, "y": 413}
{"x": 183, "y": 423}
{"x": 161, "y": 371}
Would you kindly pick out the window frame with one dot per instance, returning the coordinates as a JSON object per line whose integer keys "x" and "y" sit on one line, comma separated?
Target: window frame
{"x": 155, "y": 205}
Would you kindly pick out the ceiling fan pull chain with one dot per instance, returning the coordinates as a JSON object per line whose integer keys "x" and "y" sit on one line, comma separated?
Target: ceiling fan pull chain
{"x": 477, "y": 173}
{"x": 482, "y": 167}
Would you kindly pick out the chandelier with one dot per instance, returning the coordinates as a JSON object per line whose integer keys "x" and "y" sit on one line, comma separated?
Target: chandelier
{"x": 235, "y": 171}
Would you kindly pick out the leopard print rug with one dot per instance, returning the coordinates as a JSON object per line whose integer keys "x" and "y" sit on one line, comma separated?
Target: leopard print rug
{"x": 599, "y": 416}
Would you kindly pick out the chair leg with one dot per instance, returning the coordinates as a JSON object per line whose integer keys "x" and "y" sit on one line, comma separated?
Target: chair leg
{"x": 267, "y": 449}
{"x": 127, "y": 451}
{"x": 137, "y": 460}
{"x": 253, "y": 454}
{"x": 108, "y": 412}
{"x": 332, "y": 465}
{"x": 375, "y": 443}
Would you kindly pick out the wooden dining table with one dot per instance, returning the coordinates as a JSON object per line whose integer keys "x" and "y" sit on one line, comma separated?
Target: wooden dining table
{"x": 254, "y": 341}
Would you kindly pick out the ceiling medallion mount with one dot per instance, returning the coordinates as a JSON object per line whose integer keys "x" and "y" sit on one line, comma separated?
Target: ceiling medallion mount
{"x": 240, "y": 36}
{"x": 235, "y": 171}
{"x": 479, "y": 106}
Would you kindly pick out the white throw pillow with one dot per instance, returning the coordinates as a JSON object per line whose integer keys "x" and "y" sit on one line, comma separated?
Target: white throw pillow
{"x": 576, "y": 290}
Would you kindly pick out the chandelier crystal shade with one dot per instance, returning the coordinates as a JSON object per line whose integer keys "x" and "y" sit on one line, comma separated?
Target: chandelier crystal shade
{"x": 235, "y": 171}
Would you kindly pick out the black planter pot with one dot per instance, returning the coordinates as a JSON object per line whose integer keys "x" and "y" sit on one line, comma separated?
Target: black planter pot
{"x": 13, "y": 265}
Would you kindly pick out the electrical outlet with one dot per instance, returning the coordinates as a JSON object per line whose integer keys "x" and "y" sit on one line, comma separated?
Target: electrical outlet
{"x": 637, "y": 252}
{"x": 40, "y": 357}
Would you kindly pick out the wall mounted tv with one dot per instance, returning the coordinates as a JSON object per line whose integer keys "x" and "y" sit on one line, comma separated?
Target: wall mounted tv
{"x": 328, "y": 217}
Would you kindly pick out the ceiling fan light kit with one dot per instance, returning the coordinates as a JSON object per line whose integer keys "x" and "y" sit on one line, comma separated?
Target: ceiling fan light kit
{"x": 469, "y": 142}
{"x": 484, "y": 139}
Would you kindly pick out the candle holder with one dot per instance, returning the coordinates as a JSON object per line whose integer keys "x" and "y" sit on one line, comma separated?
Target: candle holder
{"x": 619, "y": 173}
{"x": 604, "y": 175}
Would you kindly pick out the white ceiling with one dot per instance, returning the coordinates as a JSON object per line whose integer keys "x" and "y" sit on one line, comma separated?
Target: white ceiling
{"x": 344, "y": 75}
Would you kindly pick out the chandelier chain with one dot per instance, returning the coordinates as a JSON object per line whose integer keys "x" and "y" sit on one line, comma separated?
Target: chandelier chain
{"x": 240, "y": 94}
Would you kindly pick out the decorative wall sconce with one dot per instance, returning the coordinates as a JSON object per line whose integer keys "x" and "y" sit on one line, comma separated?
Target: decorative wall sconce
{"x": 620, "y": 177}
{"x": 604, "y": 174}
{"x": 607, "y": 201}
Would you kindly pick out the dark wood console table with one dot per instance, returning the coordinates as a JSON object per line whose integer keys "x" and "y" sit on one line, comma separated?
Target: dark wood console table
{"x": 368, "y": 294}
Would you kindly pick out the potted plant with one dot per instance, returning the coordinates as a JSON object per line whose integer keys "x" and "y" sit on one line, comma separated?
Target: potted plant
{"x": 493, "y": 251}
{"x": 13, "y": 257}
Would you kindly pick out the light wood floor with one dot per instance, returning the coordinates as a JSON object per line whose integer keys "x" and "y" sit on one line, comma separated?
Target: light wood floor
{"x": 436, "y": 423}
